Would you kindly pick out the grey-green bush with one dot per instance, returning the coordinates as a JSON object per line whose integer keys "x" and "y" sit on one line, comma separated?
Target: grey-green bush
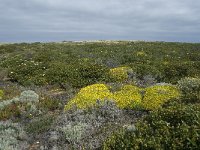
{"x": 12, "y": 136}
{"x": 190, "y": 89}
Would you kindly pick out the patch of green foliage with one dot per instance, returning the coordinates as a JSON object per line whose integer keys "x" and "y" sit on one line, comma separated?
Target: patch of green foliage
{"x": 190, "y": 89}
{"x": 174, "y": 127}
{"x": 40, "y": 125}
{"x": 82, "y": 64}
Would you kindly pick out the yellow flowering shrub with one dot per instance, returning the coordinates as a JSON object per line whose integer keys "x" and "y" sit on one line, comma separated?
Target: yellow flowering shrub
{"x": 157, "y": 95}
{"x": 120, "y": 73}
{"x": 141, "y": 53}
{"x": 1, "y": 94}
{"x": 128, "y": 97}
{"x": 89, "y": 95}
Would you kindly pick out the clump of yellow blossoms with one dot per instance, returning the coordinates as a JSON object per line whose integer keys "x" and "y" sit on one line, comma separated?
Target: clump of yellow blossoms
{"x": 128, "y": 97}
{"x": 89, "y": 95}
{"x": 1, "y": 94}
{"x": 119, "y": 74}
{"x": 157, "y": 95}
{"x": 141, "y": 53}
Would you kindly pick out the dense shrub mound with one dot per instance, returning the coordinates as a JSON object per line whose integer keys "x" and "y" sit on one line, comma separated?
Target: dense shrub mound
{"x": 89, "y": 95}
{"x": 26, "y": 103}
{"x": 12, "y": 136}
{"x": 1, "y": 94}
{"x": 128, "y": 96}
{"x": 119, "y": 74}
{"x": 155, "y": 96}
{"x": 190, "y": 89}
{"x": 175, "y": 127}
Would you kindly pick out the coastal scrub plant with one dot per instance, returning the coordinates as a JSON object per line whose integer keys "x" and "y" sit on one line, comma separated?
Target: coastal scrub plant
{"x": 1, "y": 94}
{"x": 190, "y": 89}
{"x": 12, "y": 136}
{"x": 155, "y": 96}
{"x": 89, "y": 128}
{"x": 119, "y": 74}
{"x": 14, "y": 107}
{"x": 128, "y": 97}
{"x": 74, "y": 132}
{"x": 89, "y": 95}
{"x": 173, "y": 127}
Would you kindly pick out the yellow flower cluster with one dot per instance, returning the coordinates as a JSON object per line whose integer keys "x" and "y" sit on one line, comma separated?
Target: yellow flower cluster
{"x": 119, "y": 74}
{"x": 1, "y": 94}
{"x": 141, "y": 53}
{"x": 89, "y": 95}
{"x": 128, "y": 96}
{"x": 157, "y": 95}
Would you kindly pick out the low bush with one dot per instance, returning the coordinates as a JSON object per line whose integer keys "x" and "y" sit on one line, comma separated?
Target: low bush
{"x": 10, "y": 91}
{"x": 173, "y": 72}
{"x": 40, "y": 125}
{"x": 1, "y": 94}
{"x": 49, "y": 104}
{"x": 190, "y": 89}
{"x": 175, "y": 127}
{"x": 89, "y": 128}
{"x": 88, "y": 96}
{"x": 119, "y": 74}
{"x": 128, "y": 97}
{"x": 12, "y": 136}
{"x": 155, "y": 96}
{"x": 24, "y": 104}
{"x": 29, "y": 96}
{"x": 9, "y": 111}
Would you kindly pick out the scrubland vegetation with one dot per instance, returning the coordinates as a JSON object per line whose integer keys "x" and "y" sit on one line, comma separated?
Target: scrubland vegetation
{"x": 100, "y": 95}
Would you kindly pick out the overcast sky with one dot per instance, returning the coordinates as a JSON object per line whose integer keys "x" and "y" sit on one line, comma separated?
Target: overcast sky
{"x": 58, "y": 20}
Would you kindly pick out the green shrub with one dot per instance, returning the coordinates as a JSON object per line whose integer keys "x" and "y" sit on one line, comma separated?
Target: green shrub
{"x": 29, "y": 96}
{"x": 77, "y": 75}
{"x": 26, "y": 72}
{"x": 119, "y": 74}
{"x": 142, "y": 70}
{"x": 3, "y": 74}
{"x": 173, "y": 72}
{"x": 74, "y": 132}
{"x": 24, "y": 104}
{"x": 190, "y": 89}
{"x": 175, "y": 127}
{"x": 49, "y": 104}
{"x": 10, "y": 91}
{"x": 9, "y": 111}
{"x": 40, "y": 125}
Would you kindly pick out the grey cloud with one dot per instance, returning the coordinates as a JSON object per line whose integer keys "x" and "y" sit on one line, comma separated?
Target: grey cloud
{"x": 50, "y": 20}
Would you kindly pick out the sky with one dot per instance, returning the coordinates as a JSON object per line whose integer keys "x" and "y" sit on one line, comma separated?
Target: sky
{"x": 78, "y": 20}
